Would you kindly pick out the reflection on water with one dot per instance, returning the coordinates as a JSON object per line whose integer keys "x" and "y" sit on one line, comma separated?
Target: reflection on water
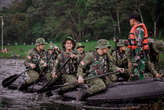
{"x": 15, "y": 100}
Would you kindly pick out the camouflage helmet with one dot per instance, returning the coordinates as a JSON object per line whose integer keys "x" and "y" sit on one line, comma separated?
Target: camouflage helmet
{"x": 120, "y": 44}
{"x": 158, "y": 46}
{"x": 69, "y": 38}
{"x": 40, "y": 41}
{"x": 51, "y": 46}
{"x": 103, "y": 43}
{"x": 79, "y": 45}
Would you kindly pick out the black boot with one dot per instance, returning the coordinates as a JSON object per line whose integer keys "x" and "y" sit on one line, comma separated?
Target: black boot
{"x": 82, "y": 94}
{"x": 49, "y": 93}
{"x": 60, "y": 92}
{"x": 24, "y": 87}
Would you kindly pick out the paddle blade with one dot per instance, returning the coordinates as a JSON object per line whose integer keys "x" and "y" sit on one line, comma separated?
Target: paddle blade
{"x": 8, "y": 81}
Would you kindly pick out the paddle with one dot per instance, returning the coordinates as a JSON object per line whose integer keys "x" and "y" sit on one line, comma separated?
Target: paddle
{"x": 8, "y": 81}
{"x": 75, "y": 83}
{"x": 50, "y": 82}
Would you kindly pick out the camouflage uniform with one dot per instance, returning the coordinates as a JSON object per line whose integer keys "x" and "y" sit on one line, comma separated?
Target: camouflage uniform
{"x": 140, "y": 60}
{"x": 80, "y": 56}
{"x": 68, "y": 72}
{"x": 92, "y": 65}
{"x": 156, "y": 47}
{"x": 50, "y": 59}
{"x": 121, "y": 60}
{"x": 38, "y": 58}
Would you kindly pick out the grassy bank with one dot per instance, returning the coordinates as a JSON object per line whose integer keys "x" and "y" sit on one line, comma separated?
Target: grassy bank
{"x": 21, "y": 50}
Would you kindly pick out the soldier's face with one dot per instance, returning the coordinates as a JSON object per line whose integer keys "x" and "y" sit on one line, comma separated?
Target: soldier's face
{"x": 80, "y": 50}
{"x": 68, "y": 45}
{"x": 105, "y": 50}
{"x": 50, "y": 51}
{"x": 100, "y": 51}
{"x": 41, "y": 47}
{"x": 123, "y": 48}
{"x": 131, "y": 21}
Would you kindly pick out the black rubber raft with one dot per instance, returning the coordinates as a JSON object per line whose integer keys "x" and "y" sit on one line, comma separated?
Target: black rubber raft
{"x": 119, "y": 91}
{"x": 130, "y": 93}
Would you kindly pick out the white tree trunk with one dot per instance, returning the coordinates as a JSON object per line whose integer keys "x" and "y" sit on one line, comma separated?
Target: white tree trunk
{"x": 155, "y": 28}
{"x": 118, "y": 21}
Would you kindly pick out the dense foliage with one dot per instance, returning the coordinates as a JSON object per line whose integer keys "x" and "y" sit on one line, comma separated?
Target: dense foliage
{"x": 83, "y": 19}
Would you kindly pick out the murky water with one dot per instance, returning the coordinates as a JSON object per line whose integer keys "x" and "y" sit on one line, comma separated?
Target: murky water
{"x": 16, "y": 100}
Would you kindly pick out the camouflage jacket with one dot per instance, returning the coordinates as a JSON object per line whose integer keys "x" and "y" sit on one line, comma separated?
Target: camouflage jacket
{"x": 94, "y": 64}
{"x": 80, "y": 57}
{"x": 122, "y": 59}
{"x": 51, "y": 60}
{"x": 69, "y": 68}
{"x": 35, "y": 57}
{"x": 150, "y": 67}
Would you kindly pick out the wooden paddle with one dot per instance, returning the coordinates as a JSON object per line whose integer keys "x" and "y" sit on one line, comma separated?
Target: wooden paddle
{"x": 9, "y": 80}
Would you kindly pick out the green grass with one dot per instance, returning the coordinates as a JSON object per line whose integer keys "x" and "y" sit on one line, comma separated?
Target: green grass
{"x": 19, "y": 50}
{"x": 22, "y": 50}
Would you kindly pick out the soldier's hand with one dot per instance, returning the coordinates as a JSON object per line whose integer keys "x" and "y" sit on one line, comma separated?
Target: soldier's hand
{"x": 73, "y": 56}
{"x": 42, "y": 61}
{"x": 80, "y": 80}
{"x": 45, "y": 64}
{"x": 121, "y": 70}
{"x": 32, "y": 65}
{"x": 54, "y": 75}
{"x": 157, "y": 75}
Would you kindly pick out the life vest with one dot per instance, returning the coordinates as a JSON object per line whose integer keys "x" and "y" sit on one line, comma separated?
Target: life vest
{"x": 132, "y": 38}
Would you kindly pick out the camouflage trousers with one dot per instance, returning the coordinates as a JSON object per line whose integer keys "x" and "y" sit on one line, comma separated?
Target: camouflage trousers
{"x": 97, "y": 85}
{"x": 34, "y": 76}
{"x": 66, "y": 78}
{"x": 138, "y": 68}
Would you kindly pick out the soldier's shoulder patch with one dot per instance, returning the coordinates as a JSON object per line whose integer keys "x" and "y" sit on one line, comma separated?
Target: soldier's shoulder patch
{"x": 57, "y": 60}
{"x": 29, "y": 57}
{"x": 82, "y": 63}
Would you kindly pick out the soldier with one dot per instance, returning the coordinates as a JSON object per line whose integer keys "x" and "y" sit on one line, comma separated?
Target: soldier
{"x": 121, "y": 53}
{"x": 94, "y": 64}
{"x": 156, "y": 47}
{"x": 138, "y": 45}
{"x": 51, "y": 55}
{"x": 68, "y": 71}
{"x": 121, "y": 60}
{"x": 35, "y": 62}
{"x": 57, "y": 49}
{"x": 80, "y": 51}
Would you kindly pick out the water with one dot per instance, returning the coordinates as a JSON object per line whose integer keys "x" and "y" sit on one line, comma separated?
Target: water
{"x": 16, "y": 100}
